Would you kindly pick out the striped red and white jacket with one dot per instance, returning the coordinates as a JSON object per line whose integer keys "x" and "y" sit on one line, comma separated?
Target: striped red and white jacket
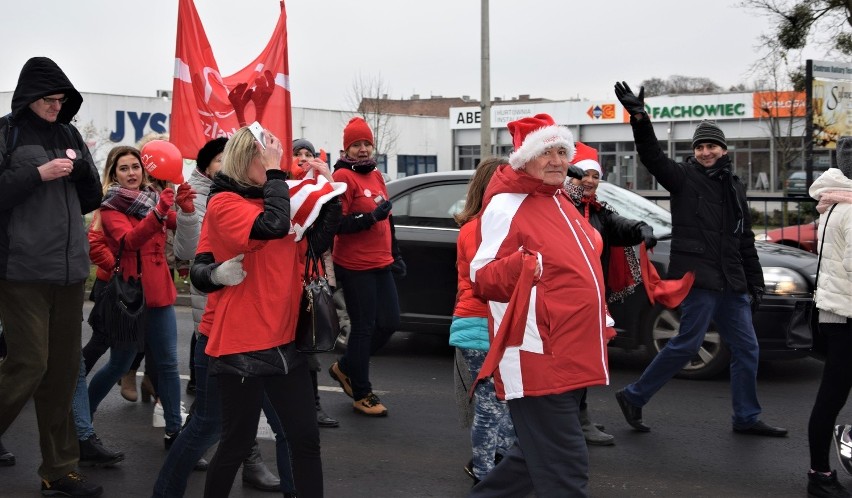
{"x": 547, "y": 336}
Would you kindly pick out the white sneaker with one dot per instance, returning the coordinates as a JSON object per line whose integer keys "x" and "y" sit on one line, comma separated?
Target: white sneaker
{"x": 843, "y": 443}
{"x": 159, "y": 421}
{"x": 264, "y": 430}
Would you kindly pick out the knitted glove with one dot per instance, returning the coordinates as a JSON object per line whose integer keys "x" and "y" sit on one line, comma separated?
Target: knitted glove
{"x": 185, "y": 197}
{"x": 230, "y": 272}
{"x": 382, "y": 211}
{"x": 631, "y": 102}
{"x": 167, "y": 200}
{"x": 647, "y": 232}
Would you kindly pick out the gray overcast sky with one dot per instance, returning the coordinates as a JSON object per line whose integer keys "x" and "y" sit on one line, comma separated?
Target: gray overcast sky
{"x": 555, "y": 49}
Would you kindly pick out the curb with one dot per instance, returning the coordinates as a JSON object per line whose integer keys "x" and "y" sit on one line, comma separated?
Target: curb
{"x": 182, "y": 300}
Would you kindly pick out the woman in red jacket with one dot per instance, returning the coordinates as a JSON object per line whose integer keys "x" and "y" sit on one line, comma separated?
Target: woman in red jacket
{"x": 363, "y": 260}
{"x": 135, "y": 213}
{"x": 251, "y": 313}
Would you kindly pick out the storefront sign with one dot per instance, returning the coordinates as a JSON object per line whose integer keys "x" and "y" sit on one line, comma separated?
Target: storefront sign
{"x": 832, "y": 70}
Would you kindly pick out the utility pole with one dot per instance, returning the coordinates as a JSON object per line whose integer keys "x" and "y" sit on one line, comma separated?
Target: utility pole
{"x": 485, "y": 99}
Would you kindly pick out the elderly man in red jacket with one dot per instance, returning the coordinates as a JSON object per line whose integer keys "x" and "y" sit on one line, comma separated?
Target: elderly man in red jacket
{"x": 538, "y": 265}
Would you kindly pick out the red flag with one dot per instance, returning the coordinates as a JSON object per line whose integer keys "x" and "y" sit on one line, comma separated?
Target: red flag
{"x": 206, "y": 105}
{"x": 669, "y": 293}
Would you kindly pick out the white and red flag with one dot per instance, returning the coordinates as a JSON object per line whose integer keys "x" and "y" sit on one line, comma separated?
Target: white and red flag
{"x": 206, "y": 105}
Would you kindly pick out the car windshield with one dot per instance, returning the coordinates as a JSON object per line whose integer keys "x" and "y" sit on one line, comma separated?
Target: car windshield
{"x": 636, "y": 207}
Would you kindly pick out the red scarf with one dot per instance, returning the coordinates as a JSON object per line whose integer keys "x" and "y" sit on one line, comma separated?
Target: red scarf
{"x": 669, "y": 293}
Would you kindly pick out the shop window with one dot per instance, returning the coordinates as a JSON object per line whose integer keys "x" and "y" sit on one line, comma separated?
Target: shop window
{"x": 415, "y": 165}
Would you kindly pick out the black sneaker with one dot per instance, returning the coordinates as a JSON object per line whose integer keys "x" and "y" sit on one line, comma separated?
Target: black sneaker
{"x": 93, "y": 453}
{"x": 71, "y": 484}
{"x": 7, "y": 459}
{"x": 170, "y": 438}
{"x": 826, "y": 486}
{"x": 843, "y": 443}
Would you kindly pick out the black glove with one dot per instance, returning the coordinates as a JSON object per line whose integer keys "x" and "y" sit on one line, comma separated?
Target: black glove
{"x": 755, "y": 298}
{"x": 575, "y": 172}
{"x": 631, "y": 102}
{"x": 382, "y": 211}
{"x": 398, "y": 268}
{"x": 647, "y": 232}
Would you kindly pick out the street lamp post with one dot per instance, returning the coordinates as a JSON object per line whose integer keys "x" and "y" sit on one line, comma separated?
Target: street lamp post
{"x": 485, "y": 100}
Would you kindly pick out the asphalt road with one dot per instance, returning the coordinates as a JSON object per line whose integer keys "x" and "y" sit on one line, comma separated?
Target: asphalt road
{"x": 420, "y": 448}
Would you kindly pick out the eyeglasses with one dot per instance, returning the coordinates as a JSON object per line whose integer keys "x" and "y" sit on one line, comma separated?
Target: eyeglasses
{"x": 51, "y": 100}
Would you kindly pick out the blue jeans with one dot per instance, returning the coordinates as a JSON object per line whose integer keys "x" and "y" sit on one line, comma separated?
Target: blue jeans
{"x": 731, "y": 313}
{"x": 204, "y": 429}
{"x": 492, "y": 431}
{"x": 373, "y": 308}
{"x": 161, "y": 340}
{"x": 80, "y": 405}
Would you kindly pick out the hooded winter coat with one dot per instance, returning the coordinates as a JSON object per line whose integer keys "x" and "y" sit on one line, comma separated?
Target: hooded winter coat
{"x": 42, "y": 235}
{"x": 559, "y": 344}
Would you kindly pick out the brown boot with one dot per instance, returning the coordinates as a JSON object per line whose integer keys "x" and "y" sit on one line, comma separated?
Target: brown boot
{"x": 370, "y": 405}
{"x": 148, "y": 389}
{"x": 128, "y": 386}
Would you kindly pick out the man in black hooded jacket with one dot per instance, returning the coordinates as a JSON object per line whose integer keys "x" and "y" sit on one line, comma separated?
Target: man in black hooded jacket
{"x": 712, "y": 237}
{"x": 47, "y": 182}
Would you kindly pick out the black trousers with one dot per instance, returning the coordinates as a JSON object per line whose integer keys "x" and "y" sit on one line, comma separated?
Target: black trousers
{"x": 832, "y": 394}
{"x": 292, "y": 396}
{"x": 549, "y": 458}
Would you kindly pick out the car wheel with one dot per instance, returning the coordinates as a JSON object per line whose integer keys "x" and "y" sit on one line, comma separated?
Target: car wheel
{"x": 711, "y": 360}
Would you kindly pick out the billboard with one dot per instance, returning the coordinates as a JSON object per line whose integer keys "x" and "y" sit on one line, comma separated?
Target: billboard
{"x": 831, "y": 89}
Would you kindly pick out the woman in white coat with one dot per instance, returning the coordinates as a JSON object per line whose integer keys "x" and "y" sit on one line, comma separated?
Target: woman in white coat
{"x": 833, "y": 190}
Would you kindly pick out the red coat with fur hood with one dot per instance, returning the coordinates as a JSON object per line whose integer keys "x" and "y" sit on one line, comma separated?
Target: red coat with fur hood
{"x": 547, "y": 336}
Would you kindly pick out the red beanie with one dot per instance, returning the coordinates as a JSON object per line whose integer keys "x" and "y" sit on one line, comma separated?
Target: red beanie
{"x": 357, "y": 129}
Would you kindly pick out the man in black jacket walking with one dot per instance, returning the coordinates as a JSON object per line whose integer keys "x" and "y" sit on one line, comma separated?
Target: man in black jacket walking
{"x": 47, "y": 182}
{"x": 712, "y": 237}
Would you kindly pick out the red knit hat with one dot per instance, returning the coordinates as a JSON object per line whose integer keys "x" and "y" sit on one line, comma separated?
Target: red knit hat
{"x": 532, "y": 136}
{"x": 586, "y": 158}
{"x": 357, "y": 129}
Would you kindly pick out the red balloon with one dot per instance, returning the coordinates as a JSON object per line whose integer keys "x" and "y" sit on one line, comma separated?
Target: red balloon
{"x": 163, "y": 161}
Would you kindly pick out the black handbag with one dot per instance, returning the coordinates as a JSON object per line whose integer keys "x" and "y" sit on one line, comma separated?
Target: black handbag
{"x": 120, "y": 310}
{"x": 318, "y": 327}
{"x": 803, "y": 327}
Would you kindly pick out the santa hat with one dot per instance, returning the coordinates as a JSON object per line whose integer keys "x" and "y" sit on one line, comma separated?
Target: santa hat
{"x": 532, "y": 136}
{"x": 307, "y": 196}
{"x": 586, "y": 158}
{"x": 357, "y": 129}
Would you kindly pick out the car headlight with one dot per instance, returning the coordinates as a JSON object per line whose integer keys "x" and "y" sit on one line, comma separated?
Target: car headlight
{"x": 784, "y": 281}
{"x": 763, "y": 236}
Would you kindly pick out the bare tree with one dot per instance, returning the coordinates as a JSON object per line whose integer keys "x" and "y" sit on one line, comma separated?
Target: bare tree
{"x": 679, "y": 85}
{"x": 369, "y": 97}
{"x": 781, "y": 110}
{"x": 798, "y": 23}
{"x": 98, "y": 142}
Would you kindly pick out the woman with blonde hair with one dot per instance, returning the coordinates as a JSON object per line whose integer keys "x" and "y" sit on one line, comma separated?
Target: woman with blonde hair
{"x": 254, "y": 290}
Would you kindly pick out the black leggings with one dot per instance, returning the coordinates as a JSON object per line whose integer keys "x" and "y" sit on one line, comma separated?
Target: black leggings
{"x": 833, "y": 391}
{"x": 292, "y": 397}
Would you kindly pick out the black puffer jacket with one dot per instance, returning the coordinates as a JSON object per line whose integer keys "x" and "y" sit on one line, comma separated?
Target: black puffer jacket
{"x": 712, "y": 233}
{"x": 616, "y": 230}
{"x": 42, "y": 235}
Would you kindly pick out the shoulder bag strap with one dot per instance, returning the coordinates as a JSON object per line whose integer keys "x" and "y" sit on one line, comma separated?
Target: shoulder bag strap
{"x": 821, "y": 245}
{"x": 118, "y": 259}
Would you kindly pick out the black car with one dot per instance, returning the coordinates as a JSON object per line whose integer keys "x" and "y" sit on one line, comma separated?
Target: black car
{"x": 423, "y": 206}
